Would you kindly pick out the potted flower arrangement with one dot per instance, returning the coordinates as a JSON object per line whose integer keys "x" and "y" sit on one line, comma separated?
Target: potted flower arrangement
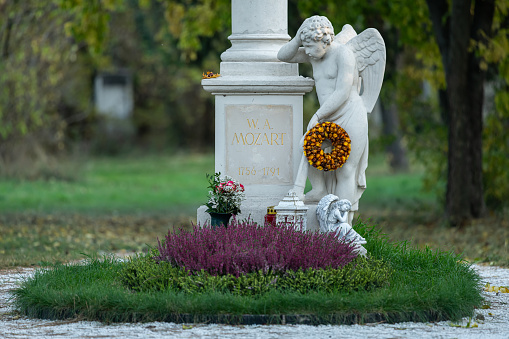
{"x": 225, "y": 197}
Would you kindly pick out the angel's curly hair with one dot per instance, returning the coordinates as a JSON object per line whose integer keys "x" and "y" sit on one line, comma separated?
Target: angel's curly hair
{"x": 318, "y": 28}
{"x": 343, "y": 202}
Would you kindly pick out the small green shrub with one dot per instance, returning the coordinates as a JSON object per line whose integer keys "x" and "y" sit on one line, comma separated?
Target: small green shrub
{"x": 144, "y": 274}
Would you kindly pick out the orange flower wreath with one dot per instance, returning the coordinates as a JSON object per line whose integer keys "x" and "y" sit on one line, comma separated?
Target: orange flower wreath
{"x": 341, "y": 146}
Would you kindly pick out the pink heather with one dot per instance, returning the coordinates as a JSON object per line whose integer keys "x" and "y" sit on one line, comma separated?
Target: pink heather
{"x": 245, "y": 247}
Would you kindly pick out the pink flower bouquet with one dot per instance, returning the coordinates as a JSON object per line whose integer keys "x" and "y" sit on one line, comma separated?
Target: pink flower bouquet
{"x": 225, "y": 194}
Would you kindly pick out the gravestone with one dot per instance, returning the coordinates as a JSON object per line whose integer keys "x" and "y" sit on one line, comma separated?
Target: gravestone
{"x": 258, "y": 107}
{"x": 113, "y": 94}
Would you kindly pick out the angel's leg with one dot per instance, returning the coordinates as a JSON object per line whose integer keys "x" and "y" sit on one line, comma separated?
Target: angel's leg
{"x": 300, "y": 179}
{"x": 319, "y": 189}
{"x": 316, "y": 178}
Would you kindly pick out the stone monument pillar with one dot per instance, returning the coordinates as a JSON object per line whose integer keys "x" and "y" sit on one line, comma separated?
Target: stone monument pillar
{"x": 258, "y": 103}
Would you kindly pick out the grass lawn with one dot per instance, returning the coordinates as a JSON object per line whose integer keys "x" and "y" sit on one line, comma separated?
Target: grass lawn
{"x": 125, "y": 203}
{"x": 119, "y": 185}
{"x": 162, "y": 184}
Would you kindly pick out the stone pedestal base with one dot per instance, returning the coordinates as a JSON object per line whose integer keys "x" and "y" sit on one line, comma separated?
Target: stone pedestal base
{"x": 312, "y": 224}
{"x": 253, "y": 209}
{"x": 256, "y": 210}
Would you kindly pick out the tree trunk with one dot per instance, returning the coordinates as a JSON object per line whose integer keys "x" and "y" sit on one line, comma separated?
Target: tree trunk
{"x": 480, "y": 30}
{"x": 460, "y": 160}
{"x": 465, "y": 95}
{"x": 6, "y": 37}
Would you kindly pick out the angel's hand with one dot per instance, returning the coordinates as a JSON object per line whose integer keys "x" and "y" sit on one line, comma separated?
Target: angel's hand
{"x": 298, "y": 35}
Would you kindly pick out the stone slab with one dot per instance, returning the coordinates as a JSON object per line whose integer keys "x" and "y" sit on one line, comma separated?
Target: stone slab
{"x": 256, "y": 142}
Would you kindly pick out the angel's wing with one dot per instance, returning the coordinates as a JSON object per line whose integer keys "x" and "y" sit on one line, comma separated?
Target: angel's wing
{"x": 369, "y": 50}
{"x": 346, "y": 34}
{"x": 322, "y": 210}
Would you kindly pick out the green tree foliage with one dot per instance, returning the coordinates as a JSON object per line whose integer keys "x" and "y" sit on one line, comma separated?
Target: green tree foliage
{"x": 495, "y": 54}
{"x": 88, "y": 21}
{"x": 51, "y": 49}
{"x": 168, "y": 45}
{"x": 37, "y": 59}
{"x": 191, "y": 22}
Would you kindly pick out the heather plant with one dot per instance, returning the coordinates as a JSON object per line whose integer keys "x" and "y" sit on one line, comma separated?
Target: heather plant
{"x": 245, "y": 247}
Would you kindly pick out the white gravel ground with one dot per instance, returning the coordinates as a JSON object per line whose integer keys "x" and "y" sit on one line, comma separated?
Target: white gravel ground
{"x": 491, "y": 323}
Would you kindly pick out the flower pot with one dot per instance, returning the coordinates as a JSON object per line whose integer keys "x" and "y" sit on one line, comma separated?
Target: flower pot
{"x": 219, "y": 219}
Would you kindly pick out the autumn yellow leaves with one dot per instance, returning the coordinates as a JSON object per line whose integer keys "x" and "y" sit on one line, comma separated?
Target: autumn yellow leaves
{"x": 496, "y": 289}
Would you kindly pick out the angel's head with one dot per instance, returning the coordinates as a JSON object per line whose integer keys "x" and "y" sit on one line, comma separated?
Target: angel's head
{"x": 343, "y": 205}
{"x": 317, "y": 35}
{"x": 317, "y": 28}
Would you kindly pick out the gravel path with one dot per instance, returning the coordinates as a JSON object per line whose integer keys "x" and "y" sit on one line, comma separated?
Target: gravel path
{"x": 491, "y": 323}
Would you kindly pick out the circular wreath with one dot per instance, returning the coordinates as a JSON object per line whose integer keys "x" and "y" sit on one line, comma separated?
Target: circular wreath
{"x": 341, "y": 146}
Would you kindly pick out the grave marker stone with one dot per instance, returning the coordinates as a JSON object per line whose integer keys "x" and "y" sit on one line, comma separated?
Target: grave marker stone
{"x": 258, "y": 103}
{"x": 114, "y": 101}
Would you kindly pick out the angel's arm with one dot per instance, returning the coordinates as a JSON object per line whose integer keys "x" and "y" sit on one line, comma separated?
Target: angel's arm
{"x": 337, "y": 215}
{"x": 345, "y": 76}
{"x": 292, "y": 52}
{"x": 343, "y": 217}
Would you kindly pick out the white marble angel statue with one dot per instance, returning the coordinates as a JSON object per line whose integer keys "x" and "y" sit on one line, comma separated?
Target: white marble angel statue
{"x": 348, "y": 71}
{"x": 332, "y": 214}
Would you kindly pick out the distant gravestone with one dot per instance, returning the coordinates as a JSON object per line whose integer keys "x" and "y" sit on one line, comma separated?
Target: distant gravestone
{"x": 258, "y": 107}
{"x": 113, "y": 93}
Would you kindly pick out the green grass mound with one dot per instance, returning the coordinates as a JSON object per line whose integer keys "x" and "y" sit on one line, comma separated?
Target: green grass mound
{"x": 423, "y": 285}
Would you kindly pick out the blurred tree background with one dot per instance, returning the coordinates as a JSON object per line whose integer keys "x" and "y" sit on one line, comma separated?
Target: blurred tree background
{"x": 441, "y": 56}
